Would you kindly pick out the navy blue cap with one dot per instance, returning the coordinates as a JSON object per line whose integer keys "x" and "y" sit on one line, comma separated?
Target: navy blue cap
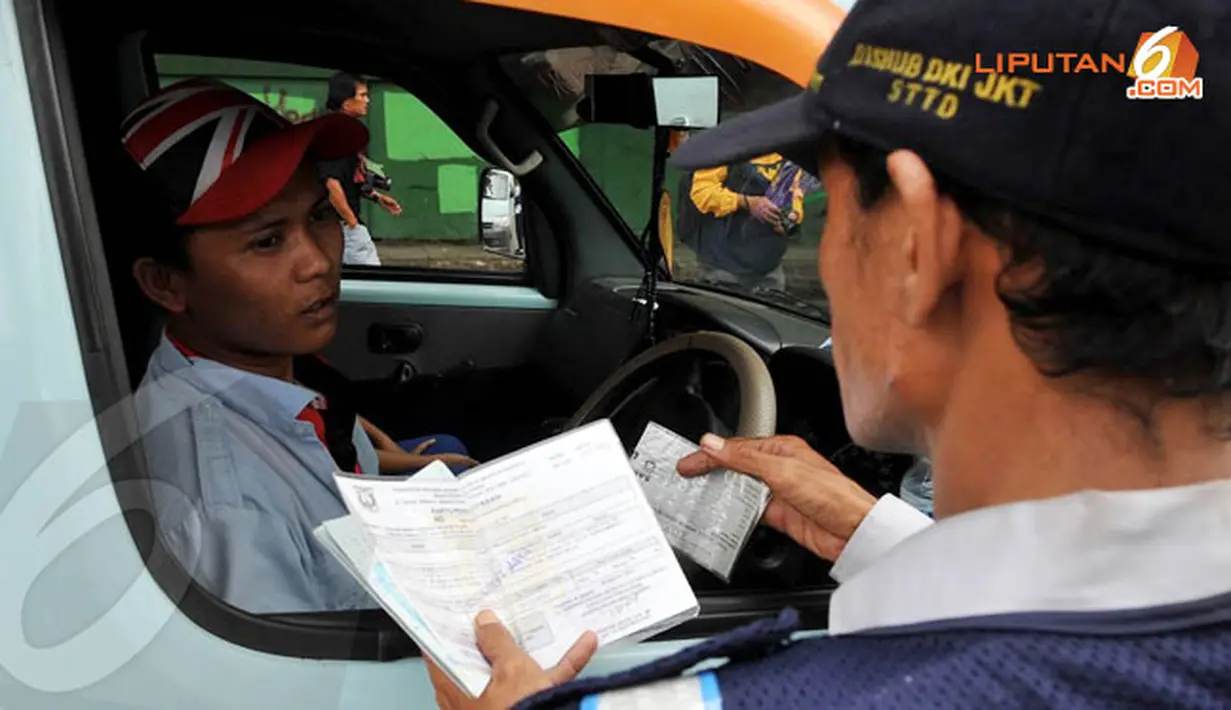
{"x": 966, "y": 85}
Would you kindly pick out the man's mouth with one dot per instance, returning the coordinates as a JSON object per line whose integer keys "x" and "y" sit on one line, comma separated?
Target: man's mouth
{"x": 321, "y": 305}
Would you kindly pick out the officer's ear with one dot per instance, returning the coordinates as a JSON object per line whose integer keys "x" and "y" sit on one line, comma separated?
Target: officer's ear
{"x": 929, "y": 242}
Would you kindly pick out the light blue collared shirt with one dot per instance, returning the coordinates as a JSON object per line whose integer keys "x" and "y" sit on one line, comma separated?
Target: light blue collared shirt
{"x": 240, "y": 483}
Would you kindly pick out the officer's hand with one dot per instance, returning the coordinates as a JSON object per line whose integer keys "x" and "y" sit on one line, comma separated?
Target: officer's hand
{"x": 812, "y": 501}
{"x": 515, "y": 675}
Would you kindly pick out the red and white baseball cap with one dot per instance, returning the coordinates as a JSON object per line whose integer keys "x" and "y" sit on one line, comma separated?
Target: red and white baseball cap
{"x": 220, "y": 154}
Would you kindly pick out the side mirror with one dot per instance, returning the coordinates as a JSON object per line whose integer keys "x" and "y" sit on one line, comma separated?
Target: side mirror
{"x": 500, "y": 213}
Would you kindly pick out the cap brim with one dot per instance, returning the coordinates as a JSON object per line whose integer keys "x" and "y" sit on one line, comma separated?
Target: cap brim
{"x": 790, "y": 128}
{"x": 265, "y": 168}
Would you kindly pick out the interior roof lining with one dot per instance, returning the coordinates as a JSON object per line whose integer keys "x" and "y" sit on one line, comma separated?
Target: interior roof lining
{"x": 444, "y": 29}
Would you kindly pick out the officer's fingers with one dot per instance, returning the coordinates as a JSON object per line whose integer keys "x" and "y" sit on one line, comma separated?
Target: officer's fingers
{"x": 701, "y": 462}
{"x": 802, "y": 478}
{"x": 810, "y": 534}
{"x": 695, "y": 464}
{"x": 495, "y": 642}
{"x": 759, "y": 458}
{"x": 423, "y": 447}
{"x": 574, "y": 659}
{"x": 447, "y": 694}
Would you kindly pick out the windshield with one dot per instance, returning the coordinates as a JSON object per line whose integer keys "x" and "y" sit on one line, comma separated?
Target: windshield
{"x": 751, "y": 229}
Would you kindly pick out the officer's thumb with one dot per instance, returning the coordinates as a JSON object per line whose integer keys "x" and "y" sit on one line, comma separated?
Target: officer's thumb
{"x": 493, "y": 639}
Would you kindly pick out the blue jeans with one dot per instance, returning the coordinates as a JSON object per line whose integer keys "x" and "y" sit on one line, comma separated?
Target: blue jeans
{"x": 445, "y": 444}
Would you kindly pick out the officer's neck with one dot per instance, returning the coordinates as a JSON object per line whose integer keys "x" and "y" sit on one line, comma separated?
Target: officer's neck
{"x": 1010, "y": 434}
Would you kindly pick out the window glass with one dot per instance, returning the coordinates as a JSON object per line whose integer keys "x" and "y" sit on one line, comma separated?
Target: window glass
{"x": 778, "y": 268}
{"x": 433, "y": 174}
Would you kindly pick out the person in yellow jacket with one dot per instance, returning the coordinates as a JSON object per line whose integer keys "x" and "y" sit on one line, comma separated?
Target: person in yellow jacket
{"x": 737, "y": 219}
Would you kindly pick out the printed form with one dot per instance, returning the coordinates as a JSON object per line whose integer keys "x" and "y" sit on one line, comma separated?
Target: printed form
{"x": 556, "y": 539}
{"x": 708, "y": 518}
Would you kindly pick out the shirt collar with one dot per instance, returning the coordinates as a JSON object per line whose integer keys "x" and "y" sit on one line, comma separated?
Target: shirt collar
{"x": 1086, "y": 552}
{"x": 257, "y": 396}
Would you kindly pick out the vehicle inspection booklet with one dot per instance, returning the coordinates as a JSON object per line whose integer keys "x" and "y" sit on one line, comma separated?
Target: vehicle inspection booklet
{"x": 708, "y": 518}
{"x": 557, "y": 539}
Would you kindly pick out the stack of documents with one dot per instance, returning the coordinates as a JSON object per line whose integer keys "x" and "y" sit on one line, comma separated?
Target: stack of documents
{"x": 557, "y": 539}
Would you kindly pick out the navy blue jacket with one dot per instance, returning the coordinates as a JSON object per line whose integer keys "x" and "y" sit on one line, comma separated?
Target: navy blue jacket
{"x": 1173, "y": 657}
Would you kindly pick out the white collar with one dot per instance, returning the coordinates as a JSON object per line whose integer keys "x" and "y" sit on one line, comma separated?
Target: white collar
{"x": 1090, "y": 551}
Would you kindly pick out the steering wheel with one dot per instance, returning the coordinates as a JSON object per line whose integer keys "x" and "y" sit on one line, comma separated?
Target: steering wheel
{"x": 672, "y": 376}
{"x": 667, "y": 384}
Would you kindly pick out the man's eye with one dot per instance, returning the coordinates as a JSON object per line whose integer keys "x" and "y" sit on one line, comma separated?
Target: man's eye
{"x": 267, "y": 242}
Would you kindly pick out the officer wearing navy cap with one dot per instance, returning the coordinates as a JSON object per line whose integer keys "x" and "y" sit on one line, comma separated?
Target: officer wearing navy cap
{"x": 1029, "y": 273}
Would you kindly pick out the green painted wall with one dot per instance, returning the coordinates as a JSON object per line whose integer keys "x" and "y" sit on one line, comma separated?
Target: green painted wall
{"x": 435, "y": 175}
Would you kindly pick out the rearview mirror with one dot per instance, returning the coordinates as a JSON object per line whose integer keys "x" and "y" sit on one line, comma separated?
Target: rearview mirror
{"x": 500, "y": 213}
{"x": 642, "y": 101}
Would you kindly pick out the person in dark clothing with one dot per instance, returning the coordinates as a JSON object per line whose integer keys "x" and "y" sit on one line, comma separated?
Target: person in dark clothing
{"x": 349, "y": 179}
{"x": 737, "y": 230}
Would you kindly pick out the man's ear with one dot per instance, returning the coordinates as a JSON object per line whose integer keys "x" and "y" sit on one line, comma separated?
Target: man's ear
{"x": 161, "y": 284}
{"x": 934, "y": 237}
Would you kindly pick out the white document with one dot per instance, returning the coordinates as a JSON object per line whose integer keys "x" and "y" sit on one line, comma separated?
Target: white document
{"x": 557, "y": 539}
{"x": 708, "y": 518}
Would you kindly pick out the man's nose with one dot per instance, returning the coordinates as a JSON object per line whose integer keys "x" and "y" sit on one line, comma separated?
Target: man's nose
{"x": 311, "y": 259}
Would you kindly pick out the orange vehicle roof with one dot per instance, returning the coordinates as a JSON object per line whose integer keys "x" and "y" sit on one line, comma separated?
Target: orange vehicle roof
{"x": 786, "y": 36}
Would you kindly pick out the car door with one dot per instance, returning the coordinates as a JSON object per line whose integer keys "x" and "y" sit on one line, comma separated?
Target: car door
{"x": 98, "y": 616}
{"x": 92, "y": 611}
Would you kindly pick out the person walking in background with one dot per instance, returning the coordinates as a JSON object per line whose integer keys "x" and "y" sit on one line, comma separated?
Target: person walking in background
{"x": 348, "y": 179}
{"x": 737, "y": 219}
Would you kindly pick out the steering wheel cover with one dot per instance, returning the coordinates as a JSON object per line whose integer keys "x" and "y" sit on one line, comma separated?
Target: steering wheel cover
{"x": 758, "y": 407}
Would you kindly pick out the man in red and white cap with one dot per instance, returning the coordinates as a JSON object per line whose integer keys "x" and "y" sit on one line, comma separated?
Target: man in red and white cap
{"x": 244, "y": 429}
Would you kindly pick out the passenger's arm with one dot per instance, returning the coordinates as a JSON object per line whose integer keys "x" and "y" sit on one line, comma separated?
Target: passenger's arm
{"x": 405, "y": 461}
{"x": 381, "y": 440}
{"x": 392, "y": 458}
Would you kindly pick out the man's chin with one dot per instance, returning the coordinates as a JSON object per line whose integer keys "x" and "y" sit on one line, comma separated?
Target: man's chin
{"x": 873, "y": 429}
{"x": 317, "y": 337}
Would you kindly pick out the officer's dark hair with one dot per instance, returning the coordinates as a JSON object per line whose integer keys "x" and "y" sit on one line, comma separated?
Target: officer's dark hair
{"x": 1076, "y": 305}
{"x": 342, "y": 86}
